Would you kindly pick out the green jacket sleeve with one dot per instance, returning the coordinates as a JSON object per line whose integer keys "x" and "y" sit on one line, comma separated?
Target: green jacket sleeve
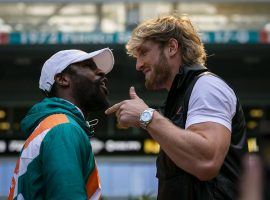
{"x": 66, "y": 160}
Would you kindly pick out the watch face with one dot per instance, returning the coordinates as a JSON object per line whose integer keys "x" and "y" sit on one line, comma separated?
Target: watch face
{"x": 146, "y": 116}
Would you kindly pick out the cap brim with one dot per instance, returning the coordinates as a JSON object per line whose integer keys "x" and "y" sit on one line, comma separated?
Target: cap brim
{"x": 103, "y": 58}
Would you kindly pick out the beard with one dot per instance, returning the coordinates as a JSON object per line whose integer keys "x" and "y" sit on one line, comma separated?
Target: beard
{"x": 89, "y": 94}
{"x": 160, "y": 75}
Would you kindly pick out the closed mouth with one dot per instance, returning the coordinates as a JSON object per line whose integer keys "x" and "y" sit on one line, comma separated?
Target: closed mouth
{"x": 146, "y": 71}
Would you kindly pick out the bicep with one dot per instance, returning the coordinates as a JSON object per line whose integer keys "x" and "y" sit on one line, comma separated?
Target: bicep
{"x": 218, "y": 137}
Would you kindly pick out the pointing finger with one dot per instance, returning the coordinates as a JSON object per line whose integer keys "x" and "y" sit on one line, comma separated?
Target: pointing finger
{"x": 113, "y": 109}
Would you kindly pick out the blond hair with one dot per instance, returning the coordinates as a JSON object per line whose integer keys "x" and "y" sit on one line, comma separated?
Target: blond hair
{"x": 162, "y": 29}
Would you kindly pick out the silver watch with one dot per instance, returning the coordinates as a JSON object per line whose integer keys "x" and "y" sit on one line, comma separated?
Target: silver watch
{"x": 146, "y": 117}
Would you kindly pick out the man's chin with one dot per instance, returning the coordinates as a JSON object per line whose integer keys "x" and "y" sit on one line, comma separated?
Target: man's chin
{"x": 98, "y": 105}
{"x": 106, "y": 104}
{"x": 150, "y": 86}
{"x": 97, "y": 108}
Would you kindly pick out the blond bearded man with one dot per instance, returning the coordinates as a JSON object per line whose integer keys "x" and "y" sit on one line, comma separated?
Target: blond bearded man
{"x": 202, "y": 129}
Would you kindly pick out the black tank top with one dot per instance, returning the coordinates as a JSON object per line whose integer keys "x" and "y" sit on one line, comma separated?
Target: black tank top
{"x": 175, "y": 183}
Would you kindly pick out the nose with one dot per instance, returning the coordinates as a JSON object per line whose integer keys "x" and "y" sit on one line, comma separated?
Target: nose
{"x": 139, "y": 64}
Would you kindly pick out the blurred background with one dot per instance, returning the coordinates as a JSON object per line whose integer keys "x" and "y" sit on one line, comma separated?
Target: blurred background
{"x": 236, "y": 34}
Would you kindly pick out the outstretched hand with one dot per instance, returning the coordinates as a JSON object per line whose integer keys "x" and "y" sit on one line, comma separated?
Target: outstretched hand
{"x": 128, "y": 111}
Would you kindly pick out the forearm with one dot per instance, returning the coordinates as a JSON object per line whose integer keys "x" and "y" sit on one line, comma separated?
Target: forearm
{"x": 200, "y": 150}
{"x": 190, "y": 151}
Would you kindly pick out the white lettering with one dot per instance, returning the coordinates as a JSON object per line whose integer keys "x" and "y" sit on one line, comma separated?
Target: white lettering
{"x": 242, "y": 36}
{"x": 97, "y": 145}
{"x": 15, "y": 145}
{"x": 3, "y": 146}
{"x": 112, "y": 146}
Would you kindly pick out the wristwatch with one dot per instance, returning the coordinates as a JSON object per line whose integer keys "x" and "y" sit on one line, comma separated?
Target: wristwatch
{"x": 146, "y": 117}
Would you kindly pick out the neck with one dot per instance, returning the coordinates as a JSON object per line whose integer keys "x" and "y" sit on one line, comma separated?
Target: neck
{"x": 175, "y": 66}
{"x": 74, "y": 102}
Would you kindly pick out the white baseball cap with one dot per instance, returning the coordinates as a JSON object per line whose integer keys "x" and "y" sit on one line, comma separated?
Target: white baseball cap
{"x": 61, "y": 60}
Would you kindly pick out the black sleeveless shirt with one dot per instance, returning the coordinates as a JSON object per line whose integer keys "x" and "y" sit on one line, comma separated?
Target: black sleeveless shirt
{"x": 175, "y": 183}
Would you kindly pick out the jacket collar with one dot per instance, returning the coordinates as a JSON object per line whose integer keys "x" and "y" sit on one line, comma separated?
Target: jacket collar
{"x": 185, "y": 73}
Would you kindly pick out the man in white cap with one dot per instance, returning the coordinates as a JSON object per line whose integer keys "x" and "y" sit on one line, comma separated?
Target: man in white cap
{"x": 57, "y": 161}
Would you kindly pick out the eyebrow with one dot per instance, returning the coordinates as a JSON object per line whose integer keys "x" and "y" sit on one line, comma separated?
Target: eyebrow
{"x": 142, "y": 48}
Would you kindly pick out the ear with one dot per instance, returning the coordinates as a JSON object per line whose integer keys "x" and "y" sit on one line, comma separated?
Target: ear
{"x": 63, "y": 80}
{"x": 172, "y": 47}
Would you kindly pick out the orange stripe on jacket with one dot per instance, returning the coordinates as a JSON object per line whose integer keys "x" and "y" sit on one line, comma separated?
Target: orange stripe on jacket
{"x": 47, "y": 123}
{"x": 13, "y": 181}
{"x": 93, "y": 183}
